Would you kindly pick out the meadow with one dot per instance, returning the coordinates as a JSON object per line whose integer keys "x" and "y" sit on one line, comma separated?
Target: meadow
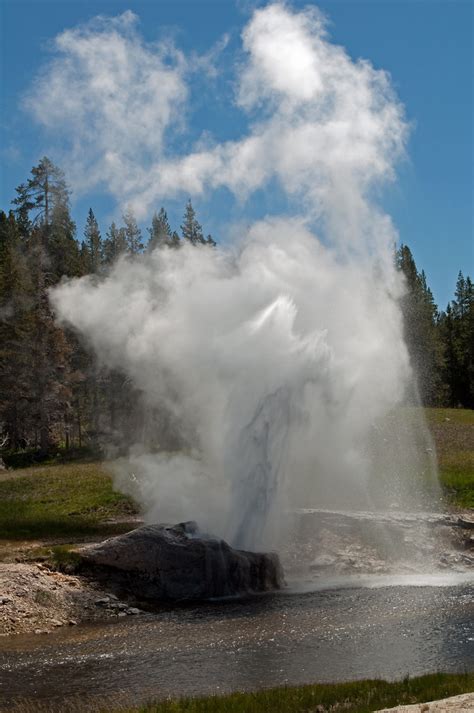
{"x": 77, "y": 499}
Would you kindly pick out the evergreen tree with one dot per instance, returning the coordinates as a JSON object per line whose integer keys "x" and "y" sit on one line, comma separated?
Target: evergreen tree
{"x": 24, "y": 204}
{"x": 43, "y": 204}
{"x": 50, "y": 352}
{"x": 420, "y": 315}
{"x": 51, "y": 251}
{"x": 160, "y": 231}
{"x": 457, "y": 329}
{"x": 92, "y": 244}
{"x": 191, "y": 230}
{"x": 44, "y": 194}
{"x": 17, "y": 371}
{"x": 175, "y": 240}
{"x": 133, "y": 234}
{"x": 115, "y": 244}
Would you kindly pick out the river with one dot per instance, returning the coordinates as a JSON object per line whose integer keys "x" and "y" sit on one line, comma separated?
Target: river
{"x": 357, "y": 628}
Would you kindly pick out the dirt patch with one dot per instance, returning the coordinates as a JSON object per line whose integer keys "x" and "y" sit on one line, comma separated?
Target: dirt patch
{"x": 36, "y": 599}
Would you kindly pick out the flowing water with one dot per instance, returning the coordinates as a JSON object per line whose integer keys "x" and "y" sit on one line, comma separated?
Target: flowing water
{"x": 293, "y": 638}
{"x": 353, "y": 615}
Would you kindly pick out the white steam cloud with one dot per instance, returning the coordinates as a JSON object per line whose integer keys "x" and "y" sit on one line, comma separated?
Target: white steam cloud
{"x": 324, "y": 126}
{"x": 273, "y": 356}
{"x": 279, "y": 358}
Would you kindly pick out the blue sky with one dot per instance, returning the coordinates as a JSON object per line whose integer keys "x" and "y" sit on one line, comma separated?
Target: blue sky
{"x": 426, "y": 46}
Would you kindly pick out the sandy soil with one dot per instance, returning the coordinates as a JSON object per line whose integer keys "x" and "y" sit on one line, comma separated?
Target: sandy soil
{"x": 35, "y": 599}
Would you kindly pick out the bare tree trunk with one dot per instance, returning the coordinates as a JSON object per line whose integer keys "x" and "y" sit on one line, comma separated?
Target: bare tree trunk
{"x": 79, "y": 427}
{"x": 66, "y": 429}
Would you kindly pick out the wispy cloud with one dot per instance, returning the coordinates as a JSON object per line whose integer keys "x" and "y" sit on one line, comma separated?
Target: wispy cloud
{"x": 113, "y": 98}
{"x": 316, "y": 117}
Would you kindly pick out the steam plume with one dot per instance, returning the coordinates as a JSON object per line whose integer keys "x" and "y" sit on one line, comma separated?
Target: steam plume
{"x": 282, "y": 356}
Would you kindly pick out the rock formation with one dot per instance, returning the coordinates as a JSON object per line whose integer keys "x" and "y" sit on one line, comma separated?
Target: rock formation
{"x": 177, "y": 562}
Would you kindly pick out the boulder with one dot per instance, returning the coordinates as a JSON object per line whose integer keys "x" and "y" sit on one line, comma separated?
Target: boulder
{"x": 177, "y": 562}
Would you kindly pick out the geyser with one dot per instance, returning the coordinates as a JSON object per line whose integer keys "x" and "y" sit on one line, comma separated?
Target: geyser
{"x": 280, "y": 357}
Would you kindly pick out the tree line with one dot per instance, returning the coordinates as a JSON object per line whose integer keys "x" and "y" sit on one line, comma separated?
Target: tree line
{"x": 53, "y": 392}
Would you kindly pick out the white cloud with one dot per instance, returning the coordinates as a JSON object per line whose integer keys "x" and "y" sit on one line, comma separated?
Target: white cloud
{"x": 320, "y": 121}
{"x": 114, "y": 98}
{"x": 283, "y": 56}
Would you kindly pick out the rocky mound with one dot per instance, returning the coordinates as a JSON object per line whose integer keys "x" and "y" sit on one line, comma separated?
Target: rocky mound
{"x": 177, "y": 562}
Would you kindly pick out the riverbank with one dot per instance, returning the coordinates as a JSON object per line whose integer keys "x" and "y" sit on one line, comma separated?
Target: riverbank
{"x": 35, "y": 598}
{"x": 44, "y": 512}
{"x": 447, "y": 692}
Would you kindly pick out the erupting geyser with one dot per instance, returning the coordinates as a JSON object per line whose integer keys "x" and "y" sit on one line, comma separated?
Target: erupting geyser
{"x": 281, "y": 357}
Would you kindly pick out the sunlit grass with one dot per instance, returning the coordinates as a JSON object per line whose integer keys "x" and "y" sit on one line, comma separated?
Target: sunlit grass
{"x": 61, "y": 500}
{"x": 453, "y": 433}
{"x": 455, "y": 415}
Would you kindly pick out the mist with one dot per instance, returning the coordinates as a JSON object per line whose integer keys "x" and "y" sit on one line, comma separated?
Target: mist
{"x": 280, "y": 356}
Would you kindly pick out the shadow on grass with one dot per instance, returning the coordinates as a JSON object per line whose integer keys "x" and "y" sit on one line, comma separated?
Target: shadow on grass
{"x": 22, "y": 527}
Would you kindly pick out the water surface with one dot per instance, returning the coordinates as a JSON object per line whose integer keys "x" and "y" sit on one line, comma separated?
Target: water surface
{"x": 293, "y": 637}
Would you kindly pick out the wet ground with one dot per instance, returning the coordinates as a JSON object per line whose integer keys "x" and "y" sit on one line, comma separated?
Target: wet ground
{"x": 387, "y": 629}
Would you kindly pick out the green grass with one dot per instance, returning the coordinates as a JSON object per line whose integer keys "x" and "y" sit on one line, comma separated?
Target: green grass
{"x": 60, "y": 501}
{"x": 462, "y": 416}
{"x": 453, "y": 433}
{"x": 353, "y": 697}
{"x": 458, "y": 483}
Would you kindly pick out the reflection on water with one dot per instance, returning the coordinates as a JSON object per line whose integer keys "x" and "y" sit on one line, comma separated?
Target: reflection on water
{"x": 336, "y": 634}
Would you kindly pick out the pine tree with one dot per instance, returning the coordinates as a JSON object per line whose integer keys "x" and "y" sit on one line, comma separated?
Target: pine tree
{"x": 115, "y": 244}
{"x": 175, "y": 240}
{"x": 25, "y": 204}
{"x": 43, "y": 205}
{"x": 420, "y": 315}
{"x": 51, "y": 251}
{"x": 133, "y": 234}
{"x": 93, "y": 243}
{"x": 457, "y": 329}
{"x": 160, "y": 231}
{"x": 50, "y": 352}
{"x": 17, "y": 371}
{"x": 191, "y": 230}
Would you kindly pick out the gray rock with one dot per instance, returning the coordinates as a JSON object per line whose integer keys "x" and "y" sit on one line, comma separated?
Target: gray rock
{"x": 102, "y": 602}
{"x": 120, "y": 606}
{"x": 466, "y": 521}
{"x": 177, "y": 562}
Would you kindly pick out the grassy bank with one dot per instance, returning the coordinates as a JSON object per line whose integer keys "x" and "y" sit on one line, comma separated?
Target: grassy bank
{"x": 453, "y": 433}
{"x": 353, "y": 697}
{"x": 71, "y": 500}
